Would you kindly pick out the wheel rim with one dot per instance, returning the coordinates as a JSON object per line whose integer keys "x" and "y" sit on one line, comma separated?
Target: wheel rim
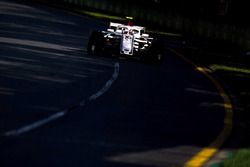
{"x": 93, "y": 47}
{"x": 159, "y": 57}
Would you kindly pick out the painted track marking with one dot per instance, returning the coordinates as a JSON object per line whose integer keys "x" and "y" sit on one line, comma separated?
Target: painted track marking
{"x": 53, "y": 117}
{"x": 206, "y": 153}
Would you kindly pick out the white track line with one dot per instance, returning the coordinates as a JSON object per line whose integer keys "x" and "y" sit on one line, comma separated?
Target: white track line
{"x": 34, "y": 125}
{"x": 53, "y": 117}
{"x": 107, "y": 85}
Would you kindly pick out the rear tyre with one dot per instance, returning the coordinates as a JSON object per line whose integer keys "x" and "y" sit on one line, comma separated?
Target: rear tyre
{"x": 156, "y": 51}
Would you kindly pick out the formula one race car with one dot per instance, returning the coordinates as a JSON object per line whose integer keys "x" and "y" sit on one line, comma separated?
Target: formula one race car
{"x": 126, "y": 40}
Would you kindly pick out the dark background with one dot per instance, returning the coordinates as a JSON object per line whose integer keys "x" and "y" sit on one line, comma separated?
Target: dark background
{"x": 227, "y": 11}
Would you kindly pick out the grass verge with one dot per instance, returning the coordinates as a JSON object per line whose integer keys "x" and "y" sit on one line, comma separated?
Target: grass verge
{"x": 239, "y": 159}
{"x": 103, "y": 15}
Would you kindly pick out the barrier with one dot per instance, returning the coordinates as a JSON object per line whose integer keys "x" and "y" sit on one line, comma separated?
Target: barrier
{"x": 149, "y": 14}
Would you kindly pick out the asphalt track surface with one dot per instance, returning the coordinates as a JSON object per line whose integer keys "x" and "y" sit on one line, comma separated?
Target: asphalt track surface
{"x": 61, "y": 107}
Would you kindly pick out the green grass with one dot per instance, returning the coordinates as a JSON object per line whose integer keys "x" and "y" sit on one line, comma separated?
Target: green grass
{"x": 164, "y": 33}
{"x": 240, "y": 158}
{"x": 118, "y": 18}
{"x": 216, "y": 67}
{"x": 101, "y": 15}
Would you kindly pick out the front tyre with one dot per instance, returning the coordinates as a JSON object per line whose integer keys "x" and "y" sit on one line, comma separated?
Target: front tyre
{"x": 159, "y": 57}
{"x": 95, "y": 43}
{"x": 92, "y": 50}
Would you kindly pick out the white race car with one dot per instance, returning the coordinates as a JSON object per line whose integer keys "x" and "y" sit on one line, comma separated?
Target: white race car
{"x": 126, "y": 40}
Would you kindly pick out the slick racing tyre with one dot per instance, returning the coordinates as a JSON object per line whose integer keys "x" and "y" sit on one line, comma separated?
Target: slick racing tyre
{"x": 95, "y": 43}
{"x": 156, "y": 51}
